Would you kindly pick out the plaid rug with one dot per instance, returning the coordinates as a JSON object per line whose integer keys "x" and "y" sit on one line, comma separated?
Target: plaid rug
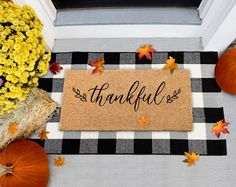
{"x": 207, "y": 109}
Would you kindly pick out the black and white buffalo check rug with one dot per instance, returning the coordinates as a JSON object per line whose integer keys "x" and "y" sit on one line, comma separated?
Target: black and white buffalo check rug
{"x": 207, "y": 109}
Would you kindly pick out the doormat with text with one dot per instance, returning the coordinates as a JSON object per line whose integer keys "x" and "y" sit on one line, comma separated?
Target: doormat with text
{"x": 137, "y": 100}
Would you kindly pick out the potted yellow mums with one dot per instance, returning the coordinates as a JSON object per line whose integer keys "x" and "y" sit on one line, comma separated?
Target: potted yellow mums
{"x": 23, "y": 55}
{"x": 23, "y": 59}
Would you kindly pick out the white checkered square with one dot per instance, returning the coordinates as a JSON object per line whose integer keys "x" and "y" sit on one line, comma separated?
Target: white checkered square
{"x": 157, "y": 66}
{"x": 198, "y": 132}
{"x": 197, "y": 99}
{"x": 160, "y": 135}
{"x": 89, "y": 134}
{"x": 54, "y": 132}
{"x": 127, "y": 66}
{"x": 195, "y": 70}
{"x": 57, "y": 97}
{"x": 62, "y": 72}
{"x": 125, "y": 135}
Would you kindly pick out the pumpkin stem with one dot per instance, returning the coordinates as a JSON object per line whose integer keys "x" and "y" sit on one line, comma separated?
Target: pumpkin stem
{"x": 4, "y": 170}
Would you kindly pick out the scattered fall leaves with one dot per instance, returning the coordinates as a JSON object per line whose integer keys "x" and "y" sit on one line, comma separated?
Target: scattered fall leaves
{"x": 171, "y": 65}
{"x": 55, "y": 68}
{"x": 143, "y": 121}
{"x": 146, "y": 51}
{"x": 43, "y": 135}
{"x": 59, "y": 161}
{"x": 99, "y": 65}
{"x": 220, "y": 127}
{"x": 12, "y": 129}
{"x": 191, "y": 158}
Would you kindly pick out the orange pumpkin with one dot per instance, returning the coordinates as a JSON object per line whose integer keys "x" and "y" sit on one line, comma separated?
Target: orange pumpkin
{"x": 225, "y": 71}
{"x": 23, "y": 163}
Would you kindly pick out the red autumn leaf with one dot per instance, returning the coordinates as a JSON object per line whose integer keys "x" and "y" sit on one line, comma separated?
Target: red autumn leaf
{"x": 220, "y": 127}
{"x": 146, "y": 51}
{"x": 98, "y": 64}
{"x": 55, "y": 68}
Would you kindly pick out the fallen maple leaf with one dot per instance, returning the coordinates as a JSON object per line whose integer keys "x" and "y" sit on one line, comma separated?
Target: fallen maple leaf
{"x": 55, "y": 68}
{"x": 220, "y": 127}
{"x": 98, "y": 64}
{"x": 146, "y": 51}
{"x": 171, "y": 65}
{"x": 59, "y": 161}
{"x": 12, "y": 129}
{"x": 191, "y": 158}
{"x": 143, "y": 121}
{"x": 43, "y": 135}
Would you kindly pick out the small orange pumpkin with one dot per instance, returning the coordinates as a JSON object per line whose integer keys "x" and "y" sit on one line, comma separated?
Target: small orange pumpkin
{"x": 23, "y": 163}
{"x": 225, "y": 71}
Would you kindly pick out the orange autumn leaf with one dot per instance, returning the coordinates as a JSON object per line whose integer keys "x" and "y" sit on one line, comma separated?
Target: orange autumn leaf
{"x": 43, "y": 135}
{"x": 220, "y": 127}
{"x": 98, "y": 64}
{"x": 12, "y": 129}
{"x": 59, "y": 161}
{"x": 191, "y": 158}
{"x": 170, "y": 64}
{"x": 146, "y": 51}
{"x": 143, "y": 121}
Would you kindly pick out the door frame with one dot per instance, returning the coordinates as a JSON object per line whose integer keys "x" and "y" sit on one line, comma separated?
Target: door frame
{"x": 216, "y": 29}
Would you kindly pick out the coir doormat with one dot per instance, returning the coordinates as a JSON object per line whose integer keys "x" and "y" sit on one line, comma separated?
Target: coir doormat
{"x": 127, "y": 100}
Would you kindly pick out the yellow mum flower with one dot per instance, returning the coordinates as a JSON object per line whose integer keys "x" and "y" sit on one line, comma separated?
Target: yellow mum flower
{"x": 23, "y": 56}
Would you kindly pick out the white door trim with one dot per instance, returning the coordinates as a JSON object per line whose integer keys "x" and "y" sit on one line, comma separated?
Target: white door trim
{"x": 49, "y": 8}
{"x": 223, "y": 35}
{"x": 218, "y": 14}
{"x": 204, "y": 7}
{"x": 47, "y": 14}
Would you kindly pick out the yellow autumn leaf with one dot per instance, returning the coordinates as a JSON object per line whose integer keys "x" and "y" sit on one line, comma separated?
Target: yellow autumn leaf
{"x": 59, "y": 161}
{"x": 171, "y": 65}
{"x": 191, "y": 158}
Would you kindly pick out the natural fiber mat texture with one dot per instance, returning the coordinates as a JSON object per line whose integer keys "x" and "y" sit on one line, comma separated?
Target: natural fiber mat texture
{"x": 127, "y": 100}
{"x": 206, "y": 102}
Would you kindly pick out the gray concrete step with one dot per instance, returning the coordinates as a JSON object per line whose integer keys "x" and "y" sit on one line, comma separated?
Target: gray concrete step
{"x": 104, "y": 16}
